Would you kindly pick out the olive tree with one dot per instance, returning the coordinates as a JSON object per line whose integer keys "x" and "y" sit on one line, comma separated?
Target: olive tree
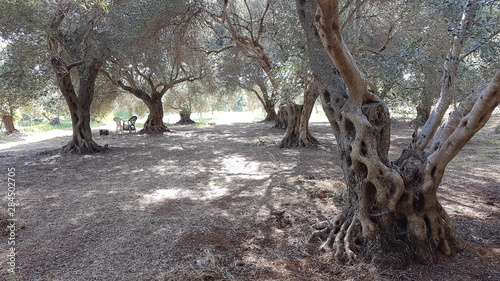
{"x": 392, "y": 214}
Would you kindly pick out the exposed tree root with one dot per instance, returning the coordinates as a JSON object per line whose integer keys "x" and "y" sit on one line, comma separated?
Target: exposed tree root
{"x": 82, "y": 147}
{"x": 154, "y": 129}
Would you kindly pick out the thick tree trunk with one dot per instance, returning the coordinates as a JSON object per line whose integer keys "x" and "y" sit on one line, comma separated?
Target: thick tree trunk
{"x": 154, "y": 123}
{"x": 185, "y": 114}
{"x": 392, "y": 215}
{"x": 297, "y": 121}
{"x": 292, "y": 134}
{"x": 79, "y": 106}
{"x": 390, "y": 218}
{"x": 8, "y": 121}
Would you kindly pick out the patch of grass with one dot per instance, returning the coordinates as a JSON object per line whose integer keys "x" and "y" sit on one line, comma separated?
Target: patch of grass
{"x": 45, "y": 126}
{"x": 203, "y": 120}
{"x": 218, "y": 181}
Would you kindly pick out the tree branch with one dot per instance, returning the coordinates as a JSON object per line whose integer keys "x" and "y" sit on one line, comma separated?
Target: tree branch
{"x": 450, "y": 69}
{"x": 461, "y": 132}
{"x": 329, "y": 30}
{"x": 261, "y": 24}
{"x": 10, "y": 75}
{"x": 480, "y": 45}
{"x": 351, "y": 14}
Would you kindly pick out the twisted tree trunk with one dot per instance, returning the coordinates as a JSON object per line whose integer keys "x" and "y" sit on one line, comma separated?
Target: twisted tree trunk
{"x": 87, "y": 68}
{"x": 297, "y": 121}
{"x": 79, "y": 106}
{"x": 154, "y": 122}
{"x": 392, "y": 215}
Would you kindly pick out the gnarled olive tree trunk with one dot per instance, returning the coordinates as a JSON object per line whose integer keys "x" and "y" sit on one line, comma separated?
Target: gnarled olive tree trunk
{"x": 297, "y": 121}
{"x": 154, "y": 122}
{"x": 185, "y": 114}
{"x": 392, "y": 215}
{"x": 79, "y": 105}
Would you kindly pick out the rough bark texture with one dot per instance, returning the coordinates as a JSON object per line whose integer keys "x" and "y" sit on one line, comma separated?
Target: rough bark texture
{"x": 292, "y": 134}
{"x": 297, "y": 121}
{"x": 154, "y": 122}
{"x": 87, "y": 69}
{"x": 8, "y": 121}
{"x": 306, "y": 139}
{"x": 185, "y": 114}
{"x": 392, "y": 215}
{"x": 79, "y": 107}
{"x": 270, "y": 112}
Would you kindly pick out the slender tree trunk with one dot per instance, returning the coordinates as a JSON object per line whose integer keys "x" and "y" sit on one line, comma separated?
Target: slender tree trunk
{"x": 185, "y": 114}
{"x": 8, "y": 121}
{"x": 154, "y": 123}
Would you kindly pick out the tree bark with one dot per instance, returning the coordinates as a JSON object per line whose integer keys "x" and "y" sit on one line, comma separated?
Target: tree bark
{"x": 8, "y": 121}
{"x": 87, "y": 69}
{"x": 297, "y": 121}
{"x": 185, "y": 114}
{"x": 292, "y": 134}
{"x": 154, "y": 122}
{"x": 270, "y": 112}
{"x": 392, "y": 215}
{"x": 79, "y": 105}
{"x": 306, "y": 139}
{"x": 281, "y": 121}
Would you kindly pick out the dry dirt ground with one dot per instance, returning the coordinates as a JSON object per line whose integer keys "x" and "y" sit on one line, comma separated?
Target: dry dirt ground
{"x": 219, "y": 202}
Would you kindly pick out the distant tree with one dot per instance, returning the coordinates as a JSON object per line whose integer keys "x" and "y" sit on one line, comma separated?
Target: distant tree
{"x": 23, "y": 79}
{"x": 171, "y": 56}
{"x": 392, "y": 215}
{"x": 262, "y": 31}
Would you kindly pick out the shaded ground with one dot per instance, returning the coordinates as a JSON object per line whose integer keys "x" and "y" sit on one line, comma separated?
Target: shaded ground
{"x": 219, "y": 202}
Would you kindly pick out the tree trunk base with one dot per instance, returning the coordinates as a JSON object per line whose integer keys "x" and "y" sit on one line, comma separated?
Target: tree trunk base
{"x": 8, "y": 122}
{"x": 154, "y": 129}
{"x": 343, "y": 236}
{"x": 83, "y": 147}
{"x": 185, "y": 121}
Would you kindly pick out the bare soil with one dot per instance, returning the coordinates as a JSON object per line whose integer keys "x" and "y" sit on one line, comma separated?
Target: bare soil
{"x": 220, "y": 202}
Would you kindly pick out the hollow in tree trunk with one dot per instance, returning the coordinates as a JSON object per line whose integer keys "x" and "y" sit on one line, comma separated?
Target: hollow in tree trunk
{"x": 154, "y": 123}
{"x": 392, "y": 215}
{"x": 8, "y": 121}
{"x": 297, "y": 121}
{"x": 185, "y": 114}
